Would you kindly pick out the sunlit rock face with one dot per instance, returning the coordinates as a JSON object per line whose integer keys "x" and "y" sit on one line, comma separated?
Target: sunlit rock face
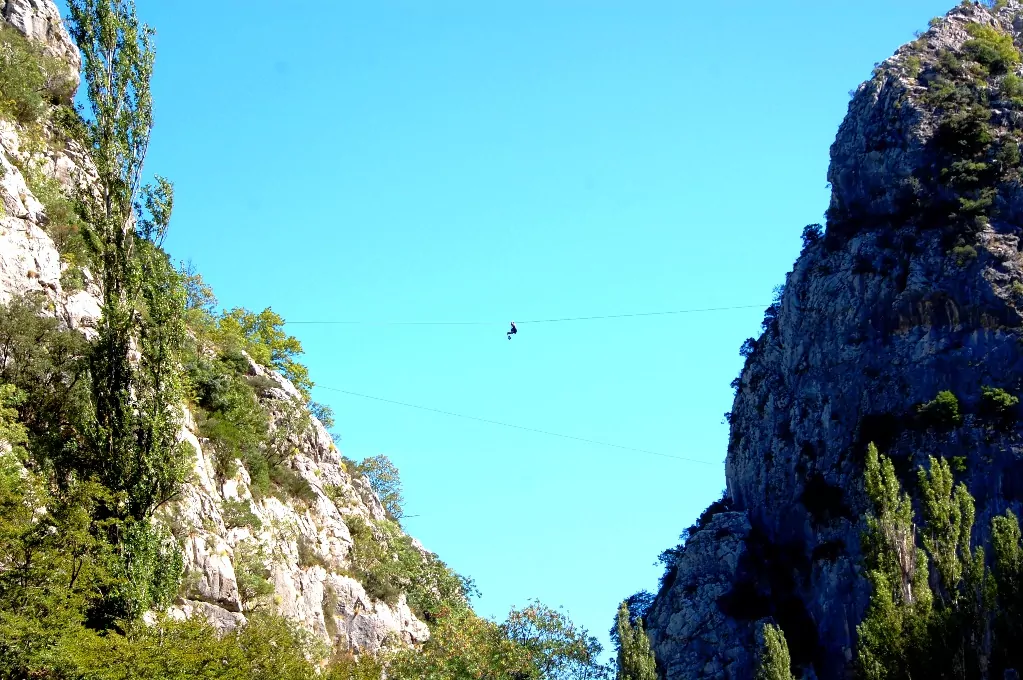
{"x": 304, "y": 545}
{"x": 40, "y": 20}
{"x": 898, "y": 301}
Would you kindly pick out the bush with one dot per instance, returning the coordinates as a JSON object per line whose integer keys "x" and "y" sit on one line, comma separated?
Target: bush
{"x": 251, "y": 573}
{"x": 63, "y": 224}
{"x": 346, "y": 666}
{"x": 322, "y": 413}
{"x": 1012, "y": 89}
{"x": 340, "y": 495}
{"x": 964, "y": 255}
{"x": 812, "y": 233}
{"x": 913, "y": 66}
{"x": 997, "y": 403}
{"x": 30, "y": 81}
{"x": 307, "y": 555}
{"x": 147, "y": 566}
{"x": 48, "y": 364}
{"x": 262, "y": 336}
{"x": 289, "y": 484}
{"x": 239, "y": 514}
{"x": 385, "y": 480}
{"x": 387, "y": 563}
{"x": 941, "y": 412}
{"x": 231, "y": 417}
{"x": 991, "y": 48}
{"x": 72, "y": 279}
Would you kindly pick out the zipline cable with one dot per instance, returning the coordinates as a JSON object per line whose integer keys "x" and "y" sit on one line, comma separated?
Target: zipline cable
{"x": 517, "y": 427}
{"x": 495, "y": 323}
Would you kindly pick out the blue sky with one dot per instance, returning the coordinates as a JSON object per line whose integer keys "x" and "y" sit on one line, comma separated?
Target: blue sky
{"x": 497, "y": 161}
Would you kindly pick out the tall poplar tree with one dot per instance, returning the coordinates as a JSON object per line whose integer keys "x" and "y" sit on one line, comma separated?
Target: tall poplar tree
{"x": 135, "y": 386}
{"x": 635, "y": 658}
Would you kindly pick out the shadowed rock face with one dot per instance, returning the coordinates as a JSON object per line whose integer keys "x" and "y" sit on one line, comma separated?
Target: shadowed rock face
{"x": 905, "y": 296}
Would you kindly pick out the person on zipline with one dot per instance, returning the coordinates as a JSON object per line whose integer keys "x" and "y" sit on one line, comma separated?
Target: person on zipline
{"x": 513, "y": 330}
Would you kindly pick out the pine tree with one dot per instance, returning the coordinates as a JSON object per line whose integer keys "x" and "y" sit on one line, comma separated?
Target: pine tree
{"x": 635, "y": 657}
{"x": 773, "y": 662}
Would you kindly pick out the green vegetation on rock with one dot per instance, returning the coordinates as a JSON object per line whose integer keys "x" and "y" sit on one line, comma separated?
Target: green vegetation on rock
{"x": 773, "y": 656}
{"x": 635, "y": 658}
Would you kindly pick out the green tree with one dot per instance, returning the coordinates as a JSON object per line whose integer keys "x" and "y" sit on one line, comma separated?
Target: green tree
{"x": 133, "y": 446}
{"x": 12, "y": 433}
{"x": 134, "y": 379}
{"x": 553, "y": 644}
{"x": 48, "y": 366}
{"x": 384, "y": 478}
{"x": 942, "y": 411}
{"x": 948, "y": 512}
{"x": 894, "y": 627}
{"x": 773, "y": 661}
{"x": 266, "y": 342}
{"x": 535, "y": 643}
{"x": 1007, "y": 548}
{"x": 463, "y": 646}
{"x": 960, "y": 635}
{"x": 635, "y": 657}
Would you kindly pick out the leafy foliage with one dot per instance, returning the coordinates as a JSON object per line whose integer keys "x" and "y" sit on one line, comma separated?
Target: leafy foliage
{"x": 30, "y": 81}
{"x": 773, "y": 661}
{"x": 267, "y": 343}
{"x": 387, "y": 562}
{"x": 322, "y": 413}
{"x": 463, "y": 645}
{"x": 991, "y": 48}
{"x": 134, "y": 437}
{"x": 812, "y": 233}
{"x": 63, "y": 223}
{"x": 47, "y": 365}
{"x": 535, "y": 643}
{"x": 918, "y": 626}
{"x": 239, "y": 514}
{"x": 552, "y": 643}
{"x": 385, "y": 480}
{"x": 250, "y": 563}
{"x": 893, "y": 627}
{"x": 998, "y": 404}
{"x": 635, "y": 658}
{"x": 942, "y": 411}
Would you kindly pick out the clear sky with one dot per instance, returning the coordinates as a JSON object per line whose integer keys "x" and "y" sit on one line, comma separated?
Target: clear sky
{"x": 497, "y": 161}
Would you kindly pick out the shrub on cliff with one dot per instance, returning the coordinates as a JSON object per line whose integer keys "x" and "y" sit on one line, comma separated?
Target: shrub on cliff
{"x": 30, "y": 81}
{"x": 991, "y": 48}
{"x": 997, "y": 403}
{"x": 941, "y": 412}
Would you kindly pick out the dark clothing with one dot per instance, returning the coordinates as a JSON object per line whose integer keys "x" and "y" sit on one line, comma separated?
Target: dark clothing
{"x": 513, "y": 330}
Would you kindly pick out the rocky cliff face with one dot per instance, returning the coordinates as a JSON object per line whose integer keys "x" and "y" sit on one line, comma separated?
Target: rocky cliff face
{"x": 916, "y": 287}
{"x": 301, "y": 547}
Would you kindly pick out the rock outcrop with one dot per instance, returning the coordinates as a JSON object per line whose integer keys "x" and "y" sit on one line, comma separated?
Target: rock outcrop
{"x": 910, "y": 291}
{"x": 40, "y": 20}
{"x": 301, "y": 548}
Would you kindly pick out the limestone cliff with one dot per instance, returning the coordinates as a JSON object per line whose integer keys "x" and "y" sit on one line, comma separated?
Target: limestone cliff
{"x": 916, "y": 287}
{"x": 302, "y": 547}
